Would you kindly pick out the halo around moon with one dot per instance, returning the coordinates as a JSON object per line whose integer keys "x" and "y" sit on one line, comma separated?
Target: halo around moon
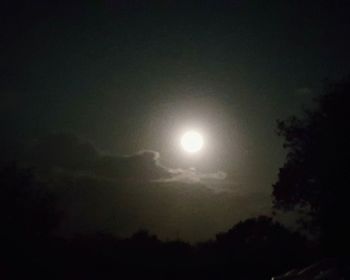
{"x": 192, "y": 141}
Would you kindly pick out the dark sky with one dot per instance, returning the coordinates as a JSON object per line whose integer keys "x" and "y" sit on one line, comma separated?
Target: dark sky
{"x": 99, "y": 80}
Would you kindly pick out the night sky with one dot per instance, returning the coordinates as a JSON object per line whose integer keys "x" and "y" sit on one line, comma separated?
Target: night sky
{"x": 96, "y": 95}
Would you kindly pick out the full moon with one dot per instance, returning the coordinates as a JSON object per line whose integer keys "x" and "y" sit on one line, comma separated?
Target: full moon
{"x": 192, "y": 141}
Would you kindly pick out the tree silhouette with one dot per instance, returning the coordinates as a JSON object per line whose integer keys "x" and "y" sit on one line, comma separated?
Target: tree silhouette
{"x": 27, "y": 209}
{"x": 264, "y": 244}
{"x": 28, "y": 216}
{"x": 315, "y": 176}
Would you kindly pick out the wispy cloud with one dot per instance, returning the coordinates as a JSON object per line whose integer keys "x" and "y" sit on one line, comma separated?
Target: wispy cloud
{"x": 191, "y": 175}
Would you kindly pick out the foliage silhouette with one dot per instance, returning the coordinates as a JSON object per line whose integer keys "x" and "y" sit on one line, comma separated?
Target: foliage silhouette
{"x": 314, "y": 179}
{"x": 28, "y": 216}
{"x": 26, "y": 205}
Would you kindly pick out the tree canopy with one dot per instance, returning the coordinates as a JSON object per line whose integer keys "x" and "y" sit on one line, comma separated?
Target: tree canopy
{"x": 315, "y": 176}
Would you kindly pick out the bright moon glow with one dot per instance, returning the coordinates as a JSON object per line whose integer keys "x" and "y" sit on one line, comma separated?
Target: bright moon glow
{"x": 192, "y": 141}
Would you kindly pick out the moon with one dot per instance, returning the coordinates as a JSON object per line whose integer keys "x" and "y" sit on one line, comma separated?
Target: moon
{"x": 192, "y": 141}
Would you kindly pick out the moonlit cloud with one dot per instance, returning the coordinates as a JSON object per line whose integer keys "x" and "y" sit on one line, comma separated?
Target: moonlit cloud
{"x": 120, "y": 194}
{"x": 191, "y": 175}
{"x": 69, "y": 154}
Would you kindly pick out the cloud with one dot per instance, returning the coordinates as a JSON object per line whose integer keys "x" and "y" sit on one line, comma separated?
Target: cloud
{"x": 191, "y": 175}
{"x": 99, "y": 192}
{"x": 61, "y": 151}
{"x": 69, "y": 154}
{"x": 141, "y": 167}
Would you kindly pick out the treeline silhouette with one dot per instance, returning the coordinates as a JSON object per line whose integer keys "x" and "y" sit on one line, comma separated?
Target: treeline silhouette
{"x": 313, "y": 183}
{"x": 253, "y": 249}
